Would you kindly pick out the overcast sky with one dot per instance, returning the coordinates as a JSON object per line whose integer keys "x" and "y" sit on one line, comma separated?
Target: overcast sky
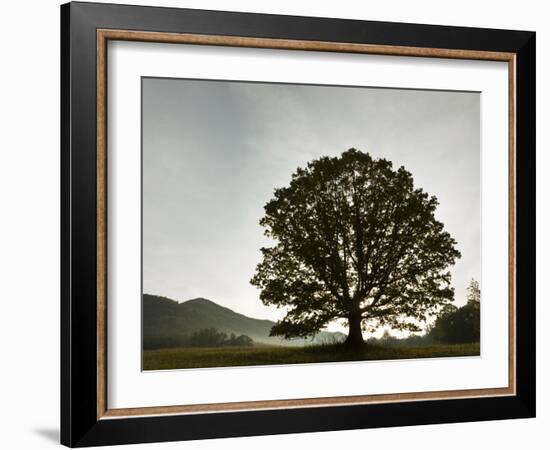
{"x": 214, "y": 151}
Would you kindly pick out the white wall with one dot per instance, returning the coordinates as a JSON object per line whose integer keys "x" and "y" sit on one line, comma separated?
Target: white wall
{"x": 29, "y": 223}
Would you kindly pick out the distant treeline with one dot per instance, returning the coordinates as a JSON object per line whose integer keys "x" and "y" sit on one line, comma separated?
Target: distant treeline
{"x": 206, "y": 337}
{"x": 453, "y": 326}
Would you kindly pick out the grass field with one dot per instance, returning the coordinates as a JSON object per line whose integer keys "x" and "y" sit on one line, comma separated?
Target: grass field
{"x": 186, "y": 358}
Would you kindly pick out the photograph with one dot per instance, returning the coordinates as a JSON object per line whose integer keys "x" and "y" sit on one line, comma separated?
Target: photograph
{"x": 298, "y": 223}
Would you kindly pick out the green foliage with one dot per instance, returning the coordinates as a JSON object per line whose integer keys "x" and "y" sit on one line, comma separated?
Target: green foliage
{"x": 459, "y": 325}
{"x": 355, "y": 240}
{"x": 185, "y": 358}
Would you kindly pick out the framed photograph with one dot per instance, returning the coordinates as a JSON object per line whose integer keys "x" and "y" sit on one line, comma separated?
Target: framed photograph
{"x": 277, "y": 224}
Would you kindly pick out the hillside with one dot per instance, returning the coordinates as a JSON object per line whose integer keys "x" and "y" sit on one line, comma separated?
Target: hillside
{"x": 167, "y": 323}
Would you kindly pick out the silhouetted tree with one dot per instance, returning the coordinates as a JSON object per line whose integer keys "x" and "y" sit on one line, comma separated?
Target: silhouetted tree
{"x": 459, "y": 325}
{"x": 242, "y": 341}
{"x": 208, "y": 337}
{"x": 474, "y": 293}
{"x": 386, "y": 336}
{"x": 355, "y": 240}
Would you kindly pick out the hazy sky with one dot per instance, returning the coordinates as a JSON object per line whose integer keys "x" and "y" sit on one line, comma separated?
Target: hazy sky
{"x": 214, "y": 151}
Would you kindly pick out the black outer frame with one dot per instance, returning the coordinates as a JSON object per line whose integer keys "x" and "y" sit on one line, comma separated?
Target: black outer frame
{"x": 79, "y": 423}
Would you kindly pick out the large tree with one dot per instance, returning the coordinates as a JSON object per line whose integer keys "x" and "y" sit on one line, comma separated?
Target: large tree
{"x": 354, "y": 240}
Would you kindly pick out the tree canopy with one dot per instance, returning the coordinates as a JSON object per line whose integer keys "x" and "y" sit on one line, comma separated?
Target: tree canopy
{"x": 354, "y": 240}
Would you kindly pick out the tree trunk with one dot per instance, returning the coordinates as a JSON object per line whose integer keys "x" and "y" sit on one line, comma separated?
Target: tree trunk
{"x": 355, "y": 337}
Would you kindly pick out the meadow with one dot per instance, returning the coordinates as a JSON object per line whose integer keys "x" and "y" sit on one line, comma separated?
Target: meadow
{"x": 200, "y": 357}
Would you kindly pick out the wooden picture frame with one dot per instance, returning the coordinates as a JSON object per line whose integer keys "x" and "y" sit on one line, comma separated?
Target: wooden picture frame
{"x": 86, "y": 418}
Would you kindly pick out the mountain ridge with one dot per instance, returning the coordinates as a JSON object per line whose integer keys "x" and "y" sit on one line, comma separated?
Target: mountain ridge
{"x": 168, "y": 323}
